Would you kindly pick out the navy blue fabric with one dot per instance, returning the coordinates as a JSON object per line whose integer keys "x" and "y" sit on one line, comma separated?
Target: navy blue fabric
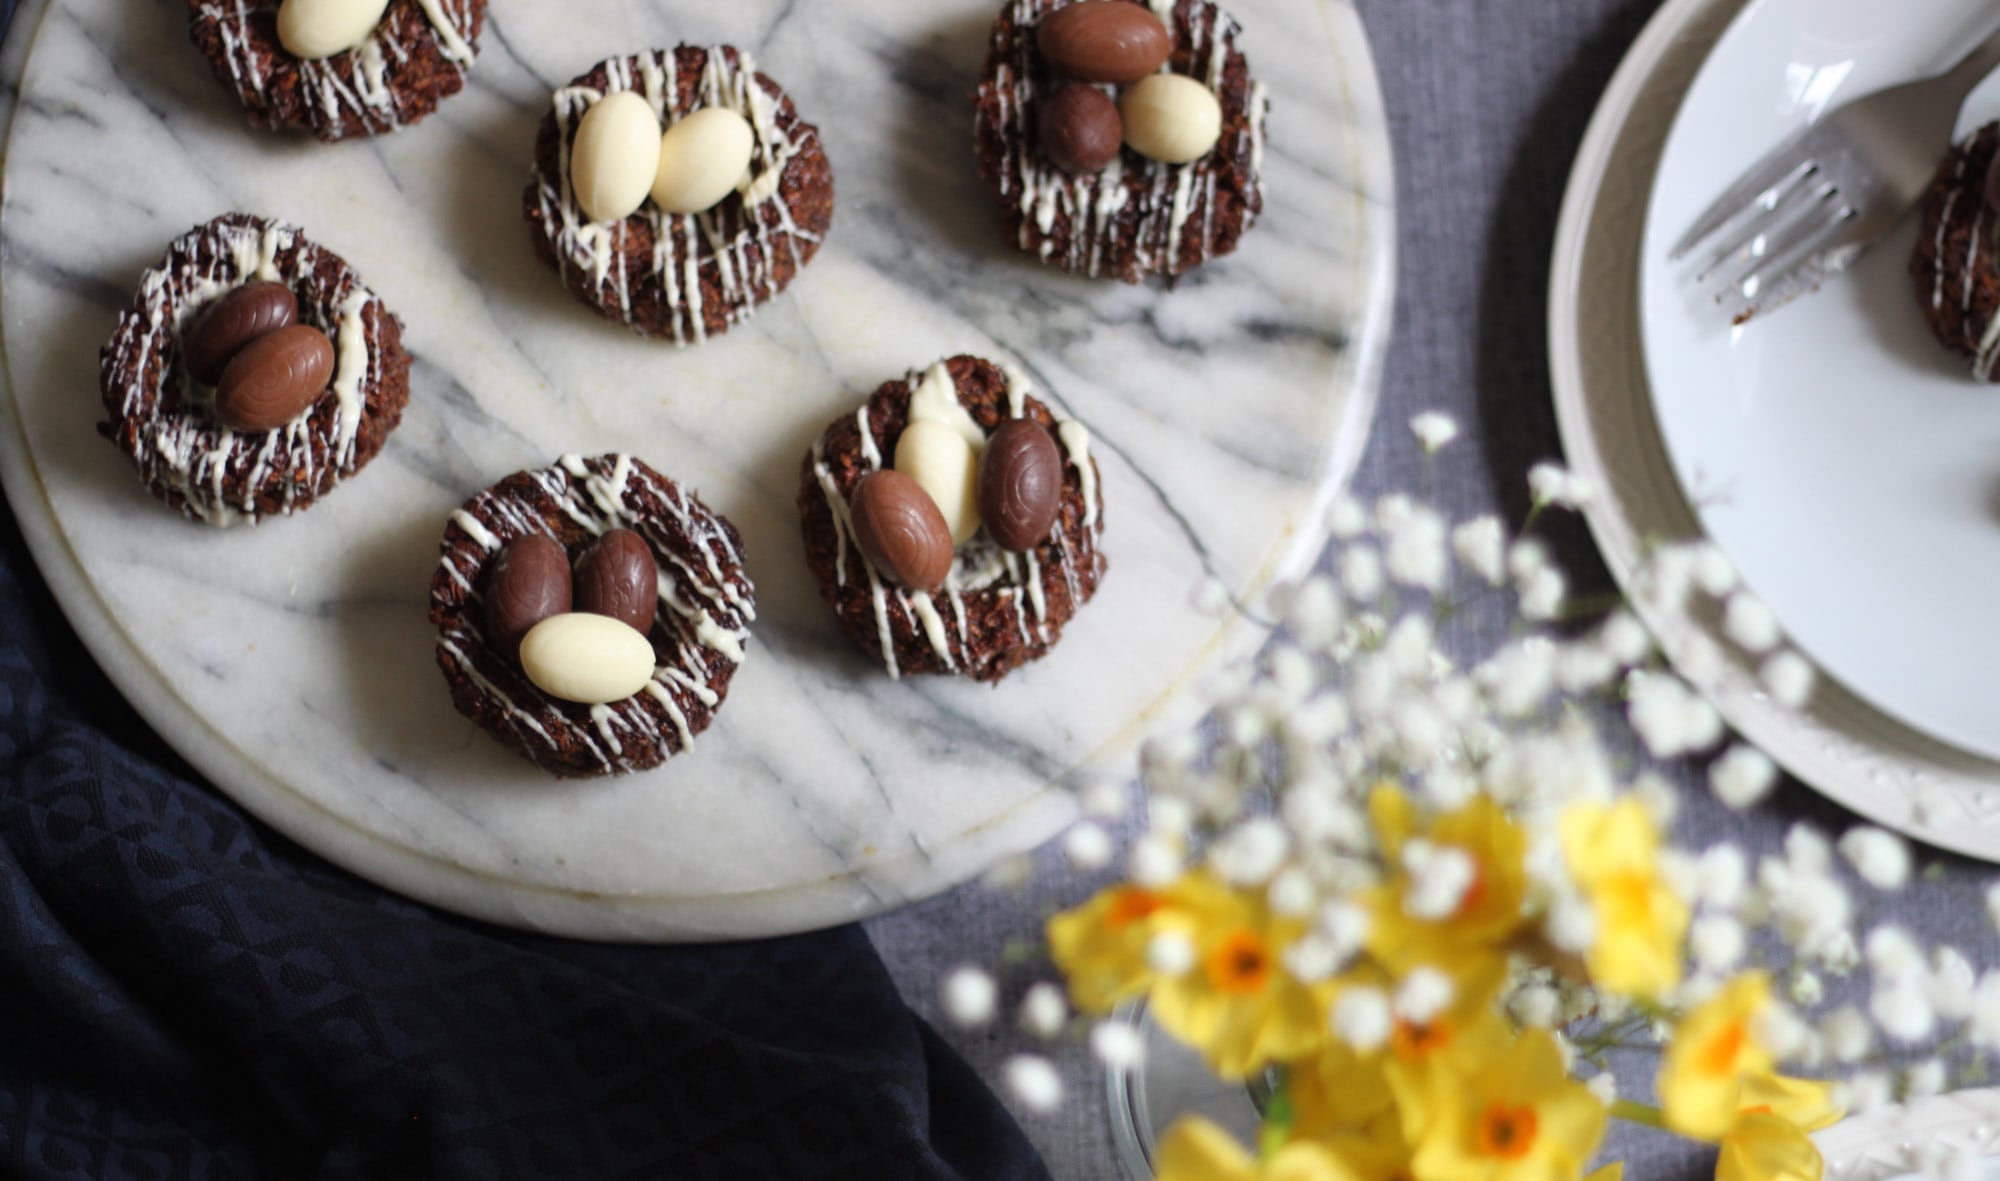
{"x": 183, "y": 993}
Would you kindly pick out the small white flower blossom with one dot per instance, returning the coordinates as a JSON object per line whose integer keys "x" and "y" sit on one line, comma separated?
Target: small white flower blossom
{"x": 1416, "y": 552}
{"x": 1291, "y": 892}
{"x": 1551, "y": 483}
{"x": 1749, "y": 624}
{"x": 1314, "y": 612}
{"x": 1311, "y": 958}
{"x": 1535, "y": 1005}
{"x": 1903, "y": 1010}
{"x": 1985, "y": 1023}
{"x": 1480, "y": 545}
{"x": 1525, "y": 557}
{"x": 1722, "y": 874}
{"x": 1788, "y": 678}
{"x": 1439, "y": 877}
{"x": 1572, "y": 925}
{"x": 1868, "y": 1091}
{"x": 1033, "y": 1082}
{"x": 1170, "y": 953}
{"x": 1433, "y": 430}
{"x": 1882, "y": 860}
{"x": 1118, "y": 1045}
{"x": 1713, "y": 572}
{"x": 1660, "y": 798}
{"x": 1345, "y": 925}
{"x": 1923, "y": 1080}
{"x": 1665, "y": 713}
{"x": 1717, "y": 942}
{"x": 1361, "y": 572}
{"x": 1361, "y": 1017}
{"x": 1169, "y": 816}
{"x": 1542, "y": 594}
{"x": 1154, "y": 862}
{"x": 1847, "y": 1034}
{"x": 1425, "y": 993}
{"x": 1211, "y": 598}
{"x": 1743, "y": 776}
{"x": 1806, "y": 989}
{"x": 970, "y": 997}
{"x": 1250, "y": 853}
{"x": 1952, "y": 984}
{"x": 1043, "y": 1010}
{"x": 1105, "y": 799}
{"x": 1088, "y": 846}
{"x": 1625, "y": 639}
{"x": 1346, "y": 519}
{"x": 1604, "y": 1085}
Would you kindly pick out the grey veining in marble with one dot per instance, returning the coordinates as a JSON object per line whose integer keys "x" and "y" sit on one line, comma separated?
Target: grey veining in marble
{"x": 292, "y": 662}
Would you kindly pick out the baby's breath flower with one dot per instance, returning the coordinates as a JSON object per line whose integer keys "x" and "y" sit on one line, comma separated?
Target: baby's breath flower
{"x": 1713, "y": 572}
{"x": 1902, "y": 1009}
{"x": 1439, "y": 877}
{"x": 1717, "y": 942}
{"x": 970, "y": 997}
{"x": 1883, "y": 861}
{"x": 1551, "y": 483}
{"x": 1721, "y": 877}
{"x": 1480, "y": 545}
{"x": 1604, "y": 1085}
{"x": 1425, "y": 993}
{"x": 1535, "y": 1005}
{"x": 1868, "y": 1091}
{"x": 1542, "y": 594}
{"x": 1625, "y": 639}
{"x": 1660, "y": 799}
{"x": 1346, "y": 519}
{"x": 1847, "y": 1033}
{"x": 1088, "y": 846}
{"x": 1154, "y": 861}
{"x": 1311, "y": 958}
{"x": 1788, "y": 678}
{"x": 1103, "y": 798}
{"x": 1169, "y": 816}
{"x": 1117, "y": 1045}
{"x": 1806, "y": 989}
{"x": 1749, "y": 624}
{"x": 1314, "y": 611}
{"x": 1664, "y": 712}
{"x": 1250, "y": 853}
{"x": 1033, "y": 1081}
{"x": 1361, "y": 1017}
{"x": 1170, "y": 953}
{"x": 1361, "y": 572}
{"x": 1572, "y": 925}
{"x": 1433, "y": 430}
{"x": 1043, "y": 1010}
{"x": 1952, "y": 984}
{"x": 1742, "y": 776}
{"x": 1416, "y": 552}
{"x": 1520, "y": 676}
{"x": 1291, "y": 892}
{"x": 1345, "y": 925}
{"x": 1923, "y": 1080}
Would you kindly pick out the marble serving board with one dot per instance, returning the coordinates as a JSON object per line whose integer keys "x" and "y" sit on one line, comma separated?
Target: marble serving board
{"x": 292, "y": 661}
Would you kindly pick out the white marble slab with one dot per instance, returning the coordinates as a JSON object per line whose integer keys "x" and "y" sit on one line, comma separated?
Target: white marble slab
{"x": 292, "y": 662}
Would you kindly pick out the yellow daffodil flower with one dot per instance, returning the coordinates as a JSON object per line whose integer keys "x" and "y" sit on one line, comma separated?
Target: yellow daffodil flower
{"x": 1767, "y": 1147}
{"x": 1615, "y": 1171}
{"x": 1337, "y": 1091}
{"x": 1381, "y": 1154}
{"x": 1516, "y": 1116}
{"x": 1238, "y": 1005}
{"x": 1472, "y": 938}
{"x": 1806, "y": 1104}
{"x": 1101, "y": 946}
{"x": 1714, "y": 1049}
{"x": 1614, "y": 855}
{"x": 1197, "y": 1150}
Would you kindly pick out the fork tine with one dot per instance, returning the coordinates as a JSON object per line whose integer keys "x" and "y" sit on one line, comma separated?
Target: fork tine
{"x": 1791, "y": 266}
{"x": 1767, "y": 180}
{"x": 1752, "y": 238}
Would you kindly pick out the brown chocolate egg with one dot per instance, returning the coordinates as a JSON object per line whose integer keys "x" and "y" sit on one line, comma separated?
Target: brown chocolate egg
{"x": 617, "y": 576}
{"x": 1103, "y": 41}
{"x": 901, "y": 531}
{"x": 235, "y": 320}
{"x": 527, "y": 582}
{"x": 274, "y": 379}
{"x": 1081, "y": 130}
{"x": 1020, "y": 485}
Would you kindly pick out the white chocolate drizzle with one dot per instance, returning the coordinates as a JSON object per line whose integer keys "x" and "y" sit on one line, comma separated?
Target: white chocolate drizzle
{"x": 704, "y": 607}
{"x": 736, "y": 242}
{"x": 979, "y": 567}
{"x": 1164, "y": 202}
{"x": 358, "y": 82}
{"x": 187, "y": 452}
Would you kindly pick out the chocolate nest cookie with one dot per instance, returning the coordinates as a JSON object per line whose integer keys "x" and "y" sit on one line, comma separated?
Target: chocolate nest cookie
{"x": 706, "y": 604}
{"x": 165, "y": 420}
{"x": 685, "y": 276}
{"x": 997, "y": 608}
{"x": 1956, "y": 267}
{"x": 1135, "y": 217}
{"x": 415, "y": 58}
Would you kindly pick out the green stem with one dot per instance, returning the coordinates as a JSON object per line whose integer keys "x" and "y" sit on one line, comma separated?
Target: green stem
{"x": 1637, "y": 1113}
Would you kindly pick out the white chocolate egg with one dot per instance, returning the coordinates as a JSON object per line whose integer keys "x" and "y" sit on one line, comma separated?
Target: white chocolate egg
{"x": 588, "y": 659}
{"x": 702, "y": 160}
{"x": 615, "y": 156}
{"x": 314, "y": 29}
{"x": 940, "y": 460}
{"x": 1170, "y": 118}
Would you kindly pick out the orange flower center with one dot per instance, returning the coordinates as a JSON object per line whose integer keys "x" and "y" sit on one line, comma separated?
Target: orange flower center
{"x": 1410, "y": 1042}
{"x": 1240, "y": 963}
{"x": 1475, "y": 893}
{"x": 1507, "y": 1132}
{"x": 1130, "y": 905}
{"x": 1718, "y": 1056}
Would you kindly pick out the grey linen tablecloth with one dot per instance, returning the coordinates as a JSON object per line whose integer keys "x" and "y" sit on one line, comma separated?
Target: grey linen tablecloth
{"x": 1488, "y": 101}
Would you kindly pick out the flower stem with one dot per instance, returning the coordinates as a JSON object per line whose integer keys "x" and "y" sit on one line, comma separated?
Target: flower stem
{"x": 1637, "y": 1113}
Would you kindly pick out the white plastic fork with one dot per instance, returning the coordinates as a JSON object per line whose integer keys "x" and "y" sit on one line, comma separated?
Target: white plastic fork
{"x": 1813, "y": 204}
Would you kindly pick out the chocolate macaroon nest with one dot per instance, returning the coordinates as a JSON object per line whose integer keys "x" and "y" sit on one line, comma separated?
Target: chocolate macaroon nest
{"x": 1956, "y": 267}
{"x": 1121, "y": 138}
{"x": 252, "y": 373}
{"x": 677, "y": 191}
{"x": 954, "y": 523}
{"x": 591, "y": 614}
{"x": 338, "y": 68}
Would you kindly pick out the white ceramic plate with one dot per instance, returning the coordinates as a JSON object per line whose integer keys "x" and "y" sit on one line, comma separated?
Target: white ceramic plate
{"x": 1900, "y": 1143}
{"x": 1841, "y": 745}
{"x": 292, "y": 663}
{"x": 1844, "y": 461}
